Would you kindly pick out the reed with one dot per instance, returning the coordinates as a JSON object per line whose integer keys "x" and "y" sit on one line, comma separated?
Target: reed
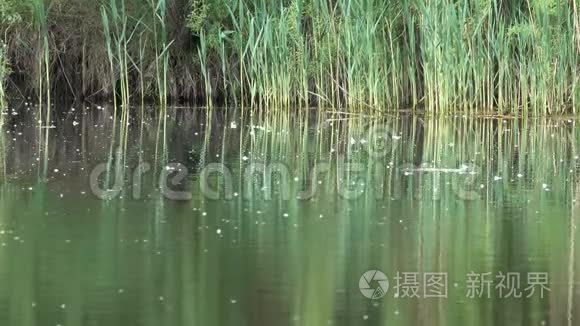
{"x": 4, "y": 71}
{"x": 40, "y": 22}
{"x": 359, "y": 56}
{"x": 441, "y": 56}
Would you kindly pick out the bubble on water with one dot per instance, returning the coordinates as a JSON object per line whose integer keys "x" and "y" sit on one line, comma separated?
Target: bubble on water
{"x": 218, "y": 231}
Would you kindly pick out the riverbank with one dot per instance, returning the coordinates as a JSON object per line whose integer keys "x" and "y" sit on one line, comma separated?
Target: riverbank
{"x": 354, "y": 56}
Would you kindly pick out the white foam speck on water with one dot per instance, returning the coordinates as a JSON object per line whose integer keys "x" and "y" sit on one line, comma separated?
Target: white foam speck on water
{"x": 497, "y": 178}
{"x": 218, "y": 231}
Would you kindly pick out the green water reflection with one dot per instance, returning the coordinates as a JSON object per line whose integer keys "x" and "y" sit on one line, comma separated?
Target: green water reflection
{"x": 69, "y": 258}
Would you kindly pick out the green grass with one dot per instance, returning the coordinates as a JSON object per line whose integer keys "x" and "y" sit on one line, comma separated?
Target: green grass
{"x": 360, "y": 56}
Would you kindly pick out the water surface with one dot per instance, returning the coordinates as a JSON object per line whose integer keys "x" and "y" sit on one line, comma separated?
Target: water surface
{"x": 399, "y": 194}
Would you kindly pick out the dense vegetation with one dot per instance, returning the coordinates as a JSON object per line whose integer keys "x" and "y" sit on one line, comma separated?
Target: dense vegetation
{"x": 356, "y": 55}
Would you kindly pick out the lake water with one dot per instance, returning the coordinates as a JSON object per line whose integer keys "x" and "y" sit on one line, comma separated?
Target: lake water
{"x": 274, "y": 220}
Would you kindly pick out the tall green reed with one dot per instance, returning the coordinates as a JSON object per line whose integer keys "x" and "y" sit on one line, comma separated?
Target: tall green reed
{"x": 364, "y": 56}
{"x": 4, "y": 71}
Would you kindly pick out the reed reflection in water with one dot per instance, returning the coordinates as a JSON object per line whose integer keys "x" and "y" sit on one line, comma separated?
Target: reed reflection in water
{"x": 68, "y": 258}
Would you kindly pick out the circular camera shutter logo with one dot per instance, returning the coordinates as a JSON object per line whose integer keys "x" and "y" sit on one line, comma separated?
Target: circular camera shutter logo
{"x": 373, "y": 284}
